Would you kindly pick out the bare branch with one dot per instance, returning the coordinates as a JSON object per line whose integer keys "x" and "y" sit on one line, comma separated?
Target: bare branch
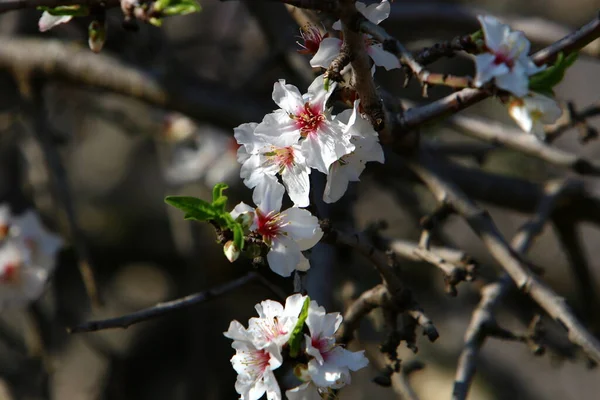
{"x": 164, "y": 308}
{"x": 512, "y": 262}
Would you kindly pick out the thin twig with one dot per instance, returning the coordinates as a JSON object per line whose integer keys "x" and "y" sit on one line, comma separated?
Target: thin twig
{"x": 164, "y": 308}
{"x": 512, "y": 262}
{"x": 402, "y": 383}
{"x": 483, "y": 318}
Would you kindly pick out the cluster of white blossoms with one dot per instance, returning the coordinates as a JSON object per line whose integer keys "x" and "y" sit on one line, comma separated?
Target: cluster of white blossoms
{"x": 319, "y": 363}
{"x": 301, "y": 135}
{"x": 507, "y": 62}
{"x": 27, "y": 257}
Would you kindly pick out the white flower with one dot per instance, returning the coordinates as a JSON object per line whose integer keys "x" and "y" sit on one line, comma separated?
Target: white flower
{"x": 27, "y": 257}
{"x": 287, "y": 233}
{"x": 507, "y": 59}
{"x": 306, "y": 117}
{"x": 349, "y": 167}
{"x": 254, "y": 365}
{"x": 49, "y": 21}
{"x": 331, "y": 363}
{"x": 533, "y": 111}
{"x": 329, "y": 48}
{"x": 260, "y": 159}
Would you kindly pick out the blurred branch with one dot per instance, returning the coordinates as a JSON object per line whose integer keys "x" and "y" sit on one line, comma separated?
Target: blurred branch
{"x": 497, "y": 133}
{"x": 8, "y": 5}
{"x": 32, "y": 92}
{"x": 402, "y": 383}
{"x": 457, "y": 15}
{"x": 576, "y": 119}
{"x": 165, "y": 308}
{"x": 479, "y": 220}
{"x": 483, "y": 320}
{"x": 203, "y": 100}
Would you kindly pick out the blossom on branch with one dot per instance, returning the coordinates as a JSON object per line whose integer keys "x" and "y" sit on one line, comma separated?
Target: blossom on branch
{"x": 534, "y": 111}
{"x": 48, "y": 21}
{"x": 329, "y": 48}
{"x": 306, "y": 117}
{"x": 507, "y": 58}
{"x": 349, "y": 167}
{"x": 261, "y": 159}
{"x": 287, "y": 233}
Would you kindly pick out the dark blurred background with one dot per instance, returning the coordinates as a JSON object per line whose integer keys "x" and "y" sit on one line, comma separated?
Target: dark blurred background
{"x": 122, "y": 157}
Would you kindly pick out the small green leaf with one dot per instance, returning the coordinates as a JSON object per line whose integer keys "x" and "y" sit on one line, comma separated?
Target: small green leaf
{"x": 238, "y": 235}
{"x": 176, "y": 7}
{"x": 218, "y": 190}
{"x": 544, "y": 81}
{"x": 195, "y": 209}
{"x": 297, "y": 334}
{"x": 155, "y": 21}
{"x": 74, "y": 10}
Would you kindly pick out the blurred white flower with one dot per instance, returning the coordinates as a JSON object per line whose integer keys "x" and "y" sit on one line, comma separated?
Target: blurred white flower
{"x": 507, "y": 60}
{"x": 27, "y": 258}
{"x": 534, "y": 111}
{"x": 49, "y": 21}
{"x": 287, "y": 233}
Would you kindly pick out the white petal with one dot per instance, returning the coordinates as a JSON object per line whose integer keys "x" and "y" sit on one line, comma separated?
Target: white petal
{"x": 287, "y": 97}
{"x": 278, "y": 129}
{"x": 284, "y": 256}
{"x": 337, "y": 183}
{"x": 301, "y": 224}
{"x": 383, "y": 58}
{"x": 325, "y": 147}
{"x": 328, "y": 374}
{"x": 294, "y": 304}
{"x": 494, "y": 31}
{"x": 521, "y": 116}
{"x": 374, "y": 12}
{"x": 241, "y": 208}
{"x": 328, "y": 51}
{"x": 244, "y": 134}
{"x": 320, "y": 323}
{"x": 49, "y": 21}
{"x": 353, "y": 360}
{"x": 306, "y": 391}
{"x": 515, "y": 82}
{"x": 486, "y": 69}
{"x": 317, "y": 94}
{"x": 337, "y": 25}
{"x": 297, "y": 183}
{"x": 237, "y": 331}
{"x": 268, "y": 194}
{"x": 269, "y": 309}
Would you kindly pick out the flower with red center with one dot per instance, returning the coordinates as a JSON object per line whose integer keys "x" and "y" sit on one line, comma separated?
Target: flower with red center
{"x": 330, "y": 47}
{"x": 306, "y": 117}
{"x": 507, "y": 58}
{"x": 287, "y": 233}
{"x": 331, "y": 364}
{"x": 258, "y": 348}
{"x": 311, "y": 37}
{"x": 261, "y": 159}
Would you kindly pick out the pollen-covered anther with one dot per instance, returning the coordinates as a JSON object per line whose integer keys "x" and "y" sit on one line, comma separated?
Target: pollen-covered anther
{"x": 309, "y": 119}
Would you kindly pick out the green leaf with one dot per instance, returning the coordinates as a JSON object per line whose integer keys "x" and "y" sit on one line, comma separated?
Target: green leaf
{"x": 297, "y": 334}
{"x": 544, "y": 81}
{"x": 195, "y": 209}
{"x": 238, "y": 235}
{"x": 219, "y": 200}
{"x": 176, "y": 7}
{"x": 74, "y": 10}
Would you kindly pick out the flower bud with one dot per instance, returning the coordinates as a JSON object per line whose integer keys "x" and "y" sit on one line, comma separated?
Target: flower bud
{"x": 96, "y": 36}
{"x": 231, "y": 251}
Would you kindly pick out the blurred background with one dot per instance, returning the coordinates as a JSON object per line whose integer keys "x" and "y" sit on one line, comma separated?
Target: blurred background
{"x": 122, "y": 157}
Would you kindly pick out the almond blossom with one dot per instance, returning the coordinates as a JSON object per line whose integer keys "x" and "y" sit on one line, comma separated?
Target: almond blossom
{"x": 507, "y": 58}
{"x": 331, "y": 363}
{"x": 306, "y": 117}
{"x": 534, "y": 111}
{"x": 258, "y": 348}
{"x": 254, "y": 365}
{"x": 329, "y": 48}
{"x": 287, "y": 233}
{"x": 260, "y": 159}
{"x": 48, "y": 21}
{"x": 349, "y": 167}
{"x": 27, "y": 257}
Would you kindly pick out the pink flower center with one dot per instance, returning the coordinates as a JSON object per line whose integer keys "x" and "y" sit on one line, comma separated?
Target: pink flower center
{"x": 258, "y": 360}
{"x": 323, "y": 345}
{"x": 312, "y": 38}
{"x": 309, "y": 119}
{"x": 272, "y": 329}
{"x": 502, "y": 58}
{"x": 10, "y": 274}
{"x": 269, "y": 225}
{"x": 282, "y": 157}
